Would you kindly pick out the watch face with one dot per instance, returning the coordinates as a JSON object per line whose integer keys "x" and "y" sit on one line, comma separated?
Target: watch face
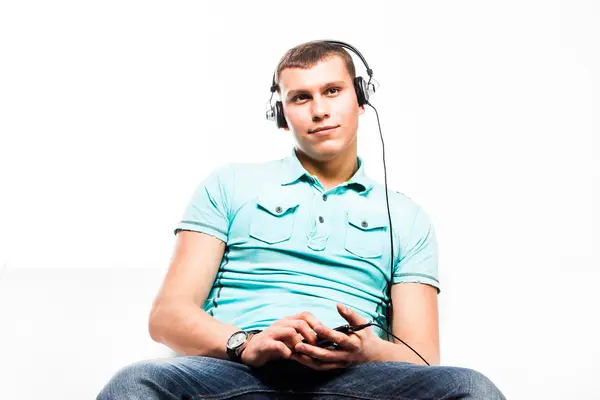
{"x": 236, "y": 340}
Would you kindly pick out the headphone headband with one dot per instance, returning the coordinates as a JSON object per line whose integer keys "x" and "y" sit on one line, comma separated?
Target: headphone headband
{"x": 339, "y": 43}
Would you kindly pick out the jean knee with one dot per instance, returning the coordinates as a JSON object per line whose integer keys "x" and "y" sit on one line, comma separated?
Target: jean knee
{"x": 136, "y": 378}
{"x": 479, "y": 386}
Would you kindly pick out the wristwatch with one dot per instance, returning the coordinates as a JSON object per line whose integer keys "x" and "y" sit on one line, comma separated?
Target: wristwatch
{"x": 237, "y": 343}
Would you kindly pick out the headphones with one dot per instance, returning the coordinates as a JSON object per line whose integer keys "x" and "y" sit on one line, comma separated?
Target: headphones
{"x": 363, "y": 89}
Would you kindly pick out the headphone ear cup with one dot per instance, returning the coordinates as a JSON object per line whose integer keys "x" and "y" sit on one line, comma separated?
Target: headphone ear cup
{"x": 279, "y": 117}
{"x": 360, "y": 86}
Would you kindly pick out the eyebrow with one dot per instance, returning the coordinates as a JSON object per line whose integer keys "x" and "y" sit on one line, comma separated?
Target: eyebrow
{"x": 291, "y": 93}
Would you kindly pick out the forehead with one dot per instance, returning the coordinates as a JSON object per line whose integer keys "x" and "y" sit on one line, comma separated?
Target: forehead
{"x": 331, "y": 69}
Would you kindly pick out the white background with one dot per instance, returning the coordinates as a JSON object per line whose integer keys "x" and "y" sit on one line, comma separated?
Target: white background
{"x": 112, "y": 112}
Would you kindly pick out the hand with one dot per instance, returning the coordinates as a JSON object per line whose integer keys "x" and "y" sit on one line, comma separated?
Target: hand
{"x": 361, "y": 346}
{"x": 279, "y": 339}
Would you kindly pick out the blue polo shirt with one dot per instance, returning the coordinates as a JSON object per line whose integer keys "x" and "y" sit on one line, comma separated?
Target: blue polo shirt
{"x": 293, "y": 246}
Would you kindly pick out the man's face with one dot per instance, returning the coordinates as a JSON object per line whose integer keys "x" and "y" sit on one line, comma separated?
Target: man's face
{"x": 321, "y": 96}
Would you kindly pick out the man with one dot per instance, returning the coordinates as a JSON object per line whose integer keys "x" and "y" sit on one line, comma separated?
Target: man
{"x": 286, "y": 250}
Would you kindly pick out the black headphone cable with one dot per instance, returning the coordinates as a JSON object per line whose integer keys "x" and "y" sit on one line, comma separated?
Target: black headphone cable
{"x": 357, "y": 328}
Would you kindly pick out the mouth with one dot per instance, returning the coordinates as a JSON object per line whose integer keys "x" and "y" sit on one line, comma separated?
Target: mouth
{"x": 324, "y": 130}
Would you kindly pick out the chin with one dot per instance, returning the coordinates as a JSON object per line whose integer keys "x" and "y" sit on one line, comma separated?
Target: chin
{"x": 325, "y": 150}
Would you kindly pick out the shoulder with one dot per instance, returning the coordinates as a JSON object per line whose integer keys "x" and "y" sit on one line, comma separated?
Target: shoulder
{"x": 405, "y": 211}
{"x": 400, "y": 203}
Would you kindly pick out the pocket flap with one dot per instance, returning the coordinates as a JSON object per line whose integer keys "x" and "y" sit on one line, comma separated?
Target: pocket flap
{"x": 367, "y": 221}
{"x": 275, "y": 205}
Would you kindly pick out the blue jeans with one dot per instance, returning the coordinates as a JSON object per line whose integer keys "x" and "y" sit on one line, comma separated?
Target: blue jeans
{"x": 195, "y": 377}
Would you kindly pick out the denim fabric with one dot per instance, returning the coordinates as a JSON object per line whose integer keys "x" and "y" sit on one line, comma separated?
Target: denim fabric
{"x": 195, "y": 377}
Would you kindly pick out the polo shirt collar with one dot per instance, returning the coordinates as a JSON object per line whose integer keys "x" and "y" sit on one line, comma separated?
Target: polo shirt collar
{"x": 292, "y": 171}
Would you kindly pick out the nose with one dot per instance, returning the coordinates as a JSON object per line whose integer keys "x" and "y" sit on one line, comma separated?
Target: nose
{"x": 320, "y": 109}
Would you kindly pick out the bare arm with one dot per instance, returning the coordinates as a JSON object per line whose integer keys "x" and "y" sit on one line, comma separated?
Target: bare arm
{"x": 415, "y": 321}
{"x": 177, "y": 319}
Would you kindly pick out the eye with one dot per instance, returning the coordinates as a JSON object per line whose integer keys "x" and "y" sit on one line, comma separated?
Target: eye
{"x": 298, "y": 97}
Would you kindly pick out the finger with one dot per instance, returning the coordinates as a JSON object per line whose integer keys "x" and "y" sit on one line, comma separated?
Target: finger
{"x": 286, "y": 335}
{"x": 302, "y": 327}
{"x": 341, "y": 339}
{"x": 323, "y": 354}
{"x": 291, "y": 343}
{"x": 350, "y": 315}
{"x": 299, "y": 339}
{"x": 309, "y": 318}
{"x": 280, "y": 348}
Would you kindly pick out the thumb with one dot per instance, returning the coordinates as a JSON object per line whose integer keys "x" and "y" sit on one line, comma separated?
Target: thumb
{"x": 350, "y": 315}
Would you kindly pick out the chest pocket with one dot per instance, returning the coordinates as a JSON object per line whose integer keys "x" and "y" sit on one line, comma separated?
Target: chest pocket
{"x": 365, "y": 233}
{"x": 273, "y": 219}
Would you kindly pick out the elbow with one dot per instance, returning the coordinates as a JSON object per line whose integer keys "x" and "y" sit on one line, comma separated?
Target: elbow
{"x": 155, "y": 323}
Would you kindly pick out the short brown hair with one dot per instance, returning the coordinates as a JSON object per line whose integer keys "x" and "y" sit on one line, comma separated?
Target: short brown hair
{"x": 306, "y": 55}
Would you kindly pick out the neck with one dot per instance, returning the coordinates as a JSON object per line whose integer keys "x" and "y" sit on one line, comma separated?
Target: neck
{"x": 331, "y": 172}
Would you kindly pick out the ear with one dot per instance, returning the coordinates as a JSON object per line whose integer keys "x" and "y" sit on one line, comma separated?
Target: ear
{"x": 361, "y": 110}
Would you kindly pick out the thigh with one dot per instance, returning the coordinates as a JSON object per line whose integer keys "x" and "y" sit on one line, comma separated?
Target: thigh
{"x": 186, "y": 377}
{"x": 405, "y": 381}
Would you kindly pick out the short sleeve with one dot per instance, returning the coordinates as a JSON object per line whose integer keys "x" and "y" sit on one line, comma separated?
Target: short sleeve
{"x": 418, "y": 258}
{"x": 207, "y": 210}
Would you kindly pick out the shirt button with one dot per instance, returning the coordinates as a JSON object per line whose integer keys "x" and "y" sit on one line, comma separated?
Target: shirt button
{"x": 364, "y": 224}
{"x": 278, "y": 210}
{"x": 324, "y": 197}
{"x": 321, "y": 219}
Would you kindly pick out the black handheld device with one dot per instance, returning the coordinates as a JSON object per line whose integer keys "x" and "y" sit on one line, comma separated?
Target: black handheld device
{"x": 327, "y": 343}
